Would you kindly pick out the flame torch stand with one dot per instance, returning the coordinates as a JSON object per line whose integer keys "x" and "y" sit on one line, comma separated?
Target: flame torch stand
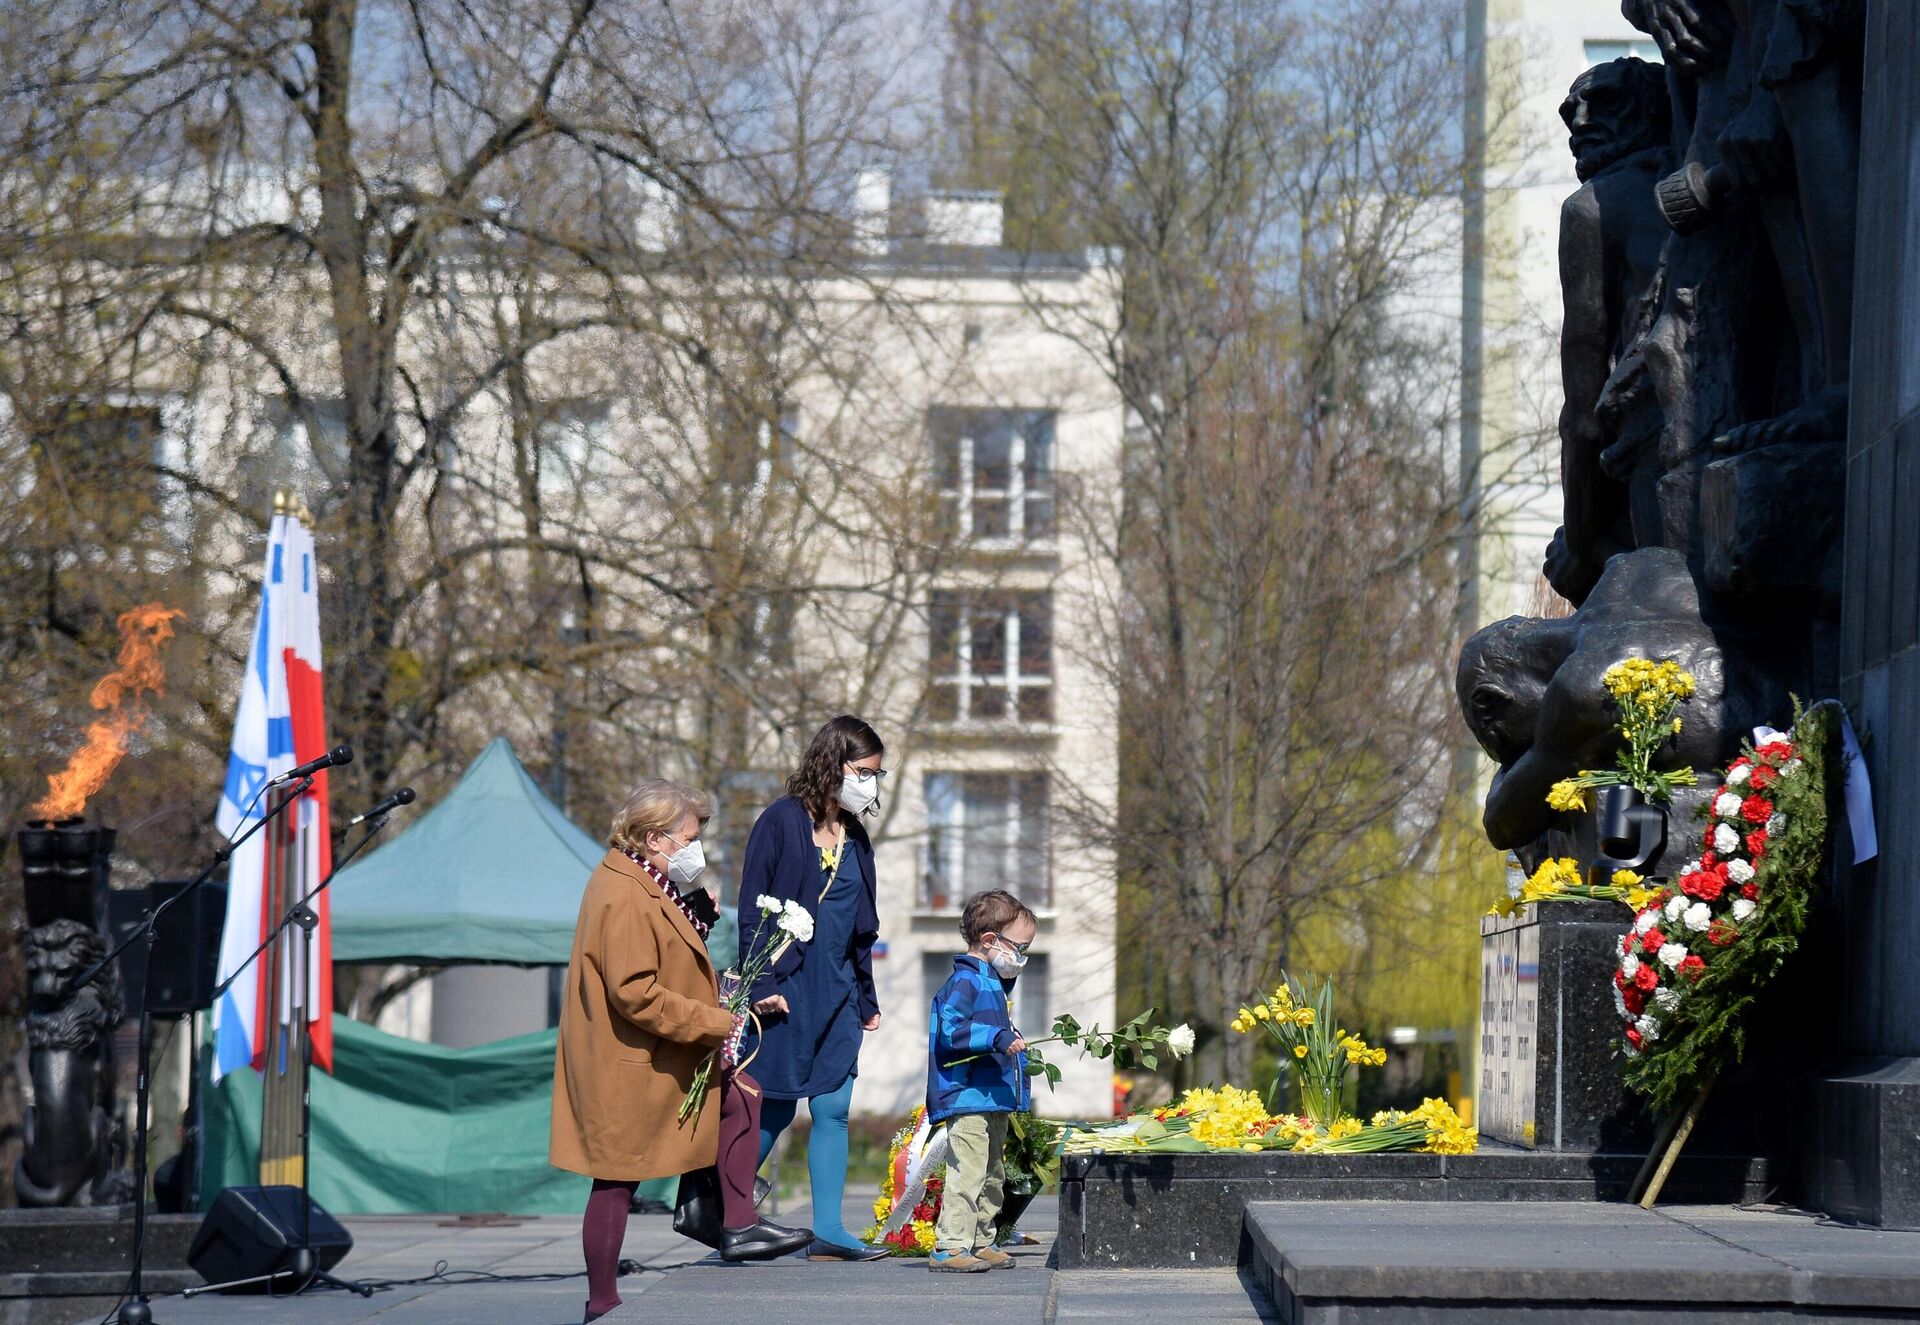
{"x": 305, "y": 1267}
{"x": 136, "y": 1309}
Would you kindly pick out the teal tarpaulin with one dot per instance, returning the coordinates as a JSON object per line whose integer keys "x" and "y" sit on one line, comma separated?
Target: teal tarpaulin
{"x": 493, "y": 873}
{"x": 401, "y": 1127}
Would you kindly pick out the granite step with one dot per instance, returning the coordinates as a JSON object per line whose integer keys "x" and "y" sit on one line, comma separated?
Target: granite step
{"x": 55, "y": 1263}
{"x": 1413, "y": 1263}
{"x": 1133, "y": 1211}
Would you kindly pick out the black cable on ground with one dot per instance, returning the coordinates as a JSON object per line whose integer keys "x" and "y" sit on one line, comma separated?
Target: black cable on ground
{"x": 442, "y": 1274}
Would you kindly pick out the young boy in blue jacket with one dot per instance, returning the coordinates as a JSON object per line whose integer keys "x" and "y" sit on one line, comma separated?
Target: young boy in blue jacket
{"x": 976, "y": 1076}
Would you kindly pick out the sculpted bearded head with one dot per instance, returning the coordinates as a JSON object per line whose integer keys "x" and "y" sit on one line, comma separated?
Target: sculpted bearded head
{"x": 1614, "y": 110}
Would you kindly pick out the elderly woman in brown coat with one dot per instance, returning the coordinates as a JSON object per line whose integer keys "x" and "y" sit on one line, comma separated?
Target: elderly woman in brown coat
{"x": 641, "y": 1013}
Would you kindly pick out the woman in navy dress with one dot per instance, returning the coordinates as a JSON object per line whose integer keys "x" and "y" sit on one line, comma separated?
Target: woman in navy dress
{"x": 817, "y": 1001}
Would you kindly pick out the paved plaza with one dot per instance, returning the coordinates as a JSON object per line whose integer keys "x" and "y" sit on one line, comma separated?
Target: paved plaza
{"x": 680, "y": 1281}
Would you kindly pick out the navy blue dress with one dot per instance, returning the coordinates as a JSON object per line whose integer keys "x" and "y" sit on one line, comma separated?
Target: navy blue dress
{"x": 814, "y": 1047}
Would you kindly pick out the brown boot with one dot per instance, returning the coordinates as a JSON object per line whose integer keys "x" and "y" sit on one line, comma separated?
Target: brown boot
{"x": 957, "y": 1262}
{"x": 994, "y": 1257}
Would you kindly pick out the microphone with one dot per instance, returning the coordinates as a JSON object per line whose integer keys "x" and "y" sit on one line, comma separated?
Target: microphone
{"x": 340, "y": 754}
{"x": 404, "y": 796}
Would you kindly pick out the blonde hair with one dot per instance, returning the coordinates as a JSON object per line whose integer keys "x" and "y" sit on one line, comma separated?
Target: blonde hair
{"x": 656, "y": 805}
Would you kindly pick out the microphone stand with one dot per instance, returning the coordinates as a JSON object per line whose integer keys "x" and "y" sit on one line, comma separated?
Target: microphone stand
{"x": 137, "y": 1309}
{"x": 306, "y": 1265}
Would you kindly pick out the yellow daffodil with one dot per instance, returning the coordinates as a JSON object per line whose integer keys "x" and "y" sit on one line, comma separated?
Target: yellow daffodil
{"x": 1299, "y": 1051}
{"x": 1567, "y": 795}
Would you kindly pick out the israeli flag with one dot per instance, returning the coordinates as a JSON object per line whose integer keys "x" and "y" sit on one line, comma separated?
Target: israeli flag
{"x": 262, "y": 748}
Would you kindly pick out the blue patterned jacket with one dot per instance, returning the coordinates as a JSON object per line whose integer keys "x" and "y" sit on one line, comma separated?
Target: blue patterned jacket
{"x": 971, "y": 1016}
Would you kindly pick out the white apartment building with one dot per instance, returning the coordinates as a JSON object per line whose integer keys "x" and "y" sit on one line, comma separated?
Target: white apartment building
{"x": 990, "y": 398}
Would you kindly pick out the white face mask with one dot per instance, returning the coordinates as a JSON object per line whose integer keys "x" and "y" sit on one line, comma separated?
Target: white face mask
{"x": 858, "y": 795}
{"x": 1005, "y": 963}
{"x": 686, "y": 864}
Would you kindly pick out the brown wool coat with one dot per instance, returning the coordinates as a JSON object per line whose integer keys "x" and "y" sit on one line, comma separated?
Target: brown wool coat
{"x": 640, "y": 1014}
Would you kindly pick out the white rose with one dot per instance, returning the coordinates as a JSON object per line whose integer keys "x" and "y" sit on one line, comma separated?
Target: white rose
{"x": 1740, "y": 871}
{"x": 1666, "y": 999}
{"x": 1649, "y": 1027}
{"x": 1725, "y": 840}
{"x": 1676, "y": 904}
{"x": 1697, "y": 917}
{"x": 1727, "y": 805}
{"x": 1672, "y": 954}
{"x": 1180, "y": 1039}
{"x": 1646, "y": 920}
{"x": 1776, "y": 824}
{"x": 1737, "y": 777}
{"x": 1630, "y": 965}
{"x": 1743, "y": 907}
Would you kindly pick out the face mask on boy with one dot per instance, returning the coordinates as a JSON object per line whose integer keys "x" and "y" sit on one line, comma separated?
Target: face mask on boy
{"x": 1006, "y": 960}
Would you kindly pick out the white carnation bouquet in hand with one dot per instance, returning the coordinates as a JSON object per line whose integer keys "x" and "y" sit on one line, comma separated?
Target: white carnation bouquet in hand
{"x": 795, "y": 924}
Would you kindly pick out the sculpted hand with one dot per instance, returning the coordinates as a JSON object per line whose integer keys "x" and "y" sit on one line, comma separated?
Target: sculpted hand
{"x": 871, "y": 1023}
{"x": 1689, "y": 36}
{"x": 771, "y": 1003}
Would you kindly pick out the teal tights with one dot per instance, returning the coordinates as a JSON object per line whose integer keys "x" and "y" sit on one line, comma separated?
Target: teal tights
{"x": 826, "y": 1155}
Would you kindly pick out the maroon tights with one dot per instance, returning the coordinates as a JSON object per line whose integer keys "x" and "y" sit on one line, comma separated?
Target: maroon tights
{"x": 605, "y": 1226}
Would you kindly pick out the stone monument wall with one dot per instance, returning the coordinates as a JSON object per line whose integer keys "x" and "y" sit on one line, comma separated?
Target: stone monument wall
{"x": 1866, "y": 1160}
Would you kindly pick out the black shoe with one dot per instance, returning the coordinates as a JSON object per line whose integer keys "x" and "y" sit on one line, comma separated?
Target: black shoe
{"x": 761, "y": 1190}
{"x": 762, "y": 1242}
{"x": 818, "y": 1250}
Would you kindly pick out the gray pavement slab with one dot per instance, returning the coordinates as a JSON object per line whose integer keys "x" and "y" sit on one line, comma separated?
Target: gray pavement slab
{"x": 684, "y": 1282}
{"x": 1577, "y": 1253}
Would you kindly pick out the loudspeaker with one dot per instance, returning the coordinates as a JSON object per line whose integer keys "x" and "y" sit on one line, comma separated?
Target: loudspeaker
{"x": 186, "y": 944}
{"x": 253, "y": 1231}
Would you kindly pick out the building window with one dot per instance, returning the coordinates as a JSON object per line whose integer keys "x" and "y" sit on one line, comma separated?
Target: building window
{"x": 986, "y": 830}
{"x": 1601, "y": 51}
{"x": 1032, "y": 997}
{"x": 995, "y": 472}
{"x": 571, "y": 435}
{"x": 99, "y": 461}
{"x": 754, "y": 442}
{"x": 991, "y": 657}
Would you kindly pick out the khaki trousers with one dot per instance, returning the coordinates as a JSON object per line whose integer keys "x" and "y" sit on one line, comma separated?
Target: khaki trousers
{"x": 976, "y": 1180}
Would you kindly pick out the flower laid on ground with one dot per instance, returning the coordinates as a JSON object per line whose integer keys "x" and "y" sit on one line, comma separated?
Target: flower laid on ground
{"x": 1697, "y": 951}
{"x": 914, "y": 1237}
{"x": 1227, "y": 1118}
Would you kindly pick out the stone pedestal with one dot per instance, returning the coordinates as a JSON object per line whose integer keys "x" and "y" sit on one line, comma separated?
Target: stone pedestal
{"x": 1862, "y": 1159}
{"x": 1548, "y": 1032}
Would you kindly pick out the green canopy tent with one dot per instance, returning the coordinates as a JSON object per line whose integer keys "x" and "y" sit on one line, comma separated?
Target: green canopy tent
{"x": 493, "y": 873}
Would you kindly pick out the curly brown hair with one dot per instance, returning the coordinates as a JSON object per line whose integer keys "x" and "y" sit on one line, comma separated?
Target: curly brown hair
{"x": 816, "y": 783}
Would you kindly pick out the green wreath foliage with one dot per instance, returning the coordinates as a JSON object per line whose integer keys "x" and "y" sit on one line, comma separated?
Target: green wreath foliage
{"x": 1706, "y": 1032}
